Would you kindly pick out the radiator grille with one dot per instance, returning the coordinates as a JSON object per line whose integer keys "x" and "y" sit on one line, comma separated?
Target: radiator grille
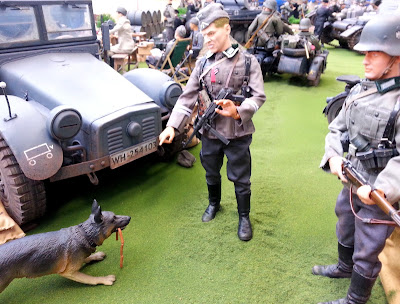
{"x": 114, "y": 140}
{"x": 149, "y": 128}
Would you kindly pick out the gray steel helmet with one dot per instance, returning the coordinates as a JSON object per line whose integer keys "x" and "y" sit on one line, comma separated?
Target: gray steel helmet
{"x": 381, "y": 34}
{"x": 305, "y": 24}
{"x": 271, "y": 4}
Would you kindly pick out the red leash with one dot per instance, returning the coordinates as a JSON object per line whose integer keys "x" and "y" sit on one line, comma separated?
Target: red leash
{"x": 121, "y": 252}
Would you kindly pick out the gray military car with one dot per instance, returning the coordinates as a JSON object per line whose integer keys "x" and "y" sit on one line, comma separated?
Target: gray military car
{"x": 64, "y": 112}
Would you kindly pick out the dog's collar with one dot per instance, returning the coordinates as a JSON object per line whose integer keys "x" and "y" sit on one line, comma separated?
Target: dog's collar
{"x": 86, "y": 235}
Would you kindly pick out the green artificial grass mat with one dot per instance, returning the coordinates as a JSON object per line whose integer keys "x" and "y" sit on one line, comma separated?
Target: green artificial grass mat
{"x": 172, "y": 257}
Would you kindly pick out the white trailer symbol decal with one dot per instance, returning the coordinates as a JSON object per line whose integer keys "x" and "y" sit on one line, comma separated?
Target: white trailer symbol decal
{"x": 32, "y": 153}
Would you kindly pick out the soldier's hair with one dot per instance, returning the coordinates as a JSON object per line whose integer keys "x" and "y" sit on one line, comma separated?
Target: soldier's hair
{"x": 220, "y": 22}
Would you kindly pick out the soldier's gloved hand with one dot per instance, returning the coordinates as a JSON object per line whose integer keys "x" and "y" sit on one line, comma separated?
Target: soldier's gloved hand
{"x": 228, "y": 108}
{"x": 335, "y": 164}
{"x": 167, "y": 135}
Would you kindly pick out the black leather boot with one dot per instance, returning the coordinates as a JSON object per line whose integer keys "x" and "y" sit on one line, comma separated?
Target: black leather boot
{"x": 340, "y": 301}
{"x": 342, "y": 269}
{"x": 359, "y": 290}
{"x": 214, "y": 199}
{"x": 245, "y": 232}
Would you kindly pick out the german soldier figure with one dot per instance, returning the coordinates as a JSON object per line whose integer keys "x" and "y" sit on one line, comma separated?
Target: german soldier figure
{"x": 169, "y": 15}
{"x": 267, "y": 37}
{"x": 369, "y": 116}
{"x": 223, "y": 67}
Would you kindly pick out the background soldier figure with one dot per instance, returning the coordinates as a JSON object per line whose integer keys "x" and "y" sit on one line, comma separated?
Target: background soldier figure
{"x": 286, "y": 9}
{"x": 223, "y": 67}
{"x": 169, "y": 16}
{"x": 321, "y": 15}
{"x": 267, "y": 37}
{"x": 305, "y": 35}
{"x": 369, "y": 115}
{"x": 197, "y": 37}
{"x": 125, "y": 44}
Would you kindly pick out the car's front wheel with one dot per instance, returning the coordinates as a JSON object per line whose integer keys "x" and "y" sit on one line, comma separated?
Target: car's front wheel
{"x": 23, "y": 198}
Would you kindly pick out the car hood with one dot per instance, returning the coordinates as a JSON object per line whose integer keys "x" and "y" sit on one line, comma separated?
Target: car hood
{"x": 76, "y": 80}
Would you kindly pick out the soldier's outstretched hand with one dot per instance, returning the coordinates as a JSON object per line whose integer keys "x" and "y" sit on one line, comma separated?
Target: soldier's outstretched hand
{"x": 228, "y": 108}
{"x": 167, "y": 135}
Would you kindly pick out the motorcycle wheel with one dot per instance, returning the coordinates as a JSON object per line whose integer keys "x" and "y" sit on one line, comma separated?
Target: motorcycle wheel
{"x": 334, "y": 108}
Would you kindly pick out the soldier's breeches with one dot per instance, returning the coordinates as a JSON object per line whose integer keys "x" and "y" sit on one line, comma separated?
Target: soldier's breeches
{"x": 368, "y": 240}
{"x": 238, "y": 165}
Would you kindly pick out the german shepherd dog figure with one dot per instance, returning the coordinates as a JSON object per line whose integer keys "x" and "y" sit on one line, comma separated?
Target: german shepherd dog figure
{"x": 63, "y": 251}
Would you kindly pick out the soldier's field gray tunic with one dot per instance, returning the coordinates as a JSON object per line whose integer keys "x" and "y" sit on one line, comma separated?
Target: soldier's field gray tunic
{"x": 365, "y": 112}
{"x": 273, "y": 27}
{"x": 227, "y": 126}
{"x": 237, "y": 131}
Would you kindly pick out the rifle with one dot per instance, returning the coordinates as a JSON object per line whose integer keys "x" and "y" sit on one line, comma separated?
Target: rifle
{"x": 306, "y": 47}
{"x": 358, "y": 180}
{"x": 209, "y": 115}
{"x": 250, "y": 42}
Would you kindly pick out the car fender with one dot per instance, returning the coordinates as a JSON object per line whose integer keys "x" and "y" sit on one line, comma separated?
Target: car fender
{"x": 26, "y": 133}
{"x": 315, "y": 67}
{"x": 350, "y": 31}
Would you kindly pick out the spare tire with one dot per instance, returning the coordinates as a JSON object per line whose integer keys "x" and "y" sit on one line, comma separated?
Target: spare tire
{"x": 294, "y": 52}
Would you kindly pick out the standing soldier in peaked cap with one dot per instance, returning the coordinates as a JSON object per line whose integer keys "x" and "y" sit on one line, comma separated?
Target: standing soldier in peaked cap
{"x": 370, "y": 116}
{"x": 224, "y": 66}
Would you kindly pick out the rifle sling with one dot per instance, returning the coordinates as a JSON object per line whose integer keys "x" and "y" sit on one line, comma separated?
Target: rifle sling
{"x": 358, "y": 96}
{"x": 368, "y": 220}
{"x": 388, "y": 134}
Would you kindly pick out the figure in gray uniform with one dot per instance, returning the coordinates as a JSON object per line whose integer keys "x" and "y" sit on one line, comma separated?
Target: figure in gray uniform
{"x": 369, "y": 116}
{"x": 169, "y": 15}
{"x": 267, "y": 37}
{"x": 305, "y": 36}
{"x": 125, "y": 44}
{"x": 224, "y": 66}
{"x": 286, "y": 9}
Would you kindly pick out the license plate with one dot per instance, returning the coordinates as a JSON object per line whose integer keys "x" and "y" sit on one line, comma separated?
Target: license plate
{"x": 121, "y": 158}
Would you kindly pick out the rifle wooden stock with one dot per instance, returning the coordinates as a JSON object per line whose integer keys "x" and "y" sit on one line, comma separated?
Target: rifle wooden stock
{"x": 358, "y": 180}
{"x": 250, "y": 42}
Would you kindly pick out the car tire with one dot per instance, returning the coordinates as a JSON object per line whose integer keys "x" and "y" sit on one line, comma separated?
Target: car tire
{"x": 23, "y": 198}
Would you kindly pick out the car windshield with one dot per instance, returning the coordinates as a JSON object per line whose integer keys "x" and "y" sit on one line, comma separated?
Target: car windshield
{"x": 67, "y": 21}
{"x": 17, "y": 24}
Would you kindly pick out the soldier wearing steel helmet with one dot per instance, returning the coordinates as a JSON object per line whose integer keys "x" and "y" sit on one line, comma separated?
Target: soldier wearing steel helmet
{"x": 286, "y": 9}
{"x": 224, "y": 66}
{"x": 370, "y": 117}
{"x": 306, "y": 35}
{"x": 268, "y": 36}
